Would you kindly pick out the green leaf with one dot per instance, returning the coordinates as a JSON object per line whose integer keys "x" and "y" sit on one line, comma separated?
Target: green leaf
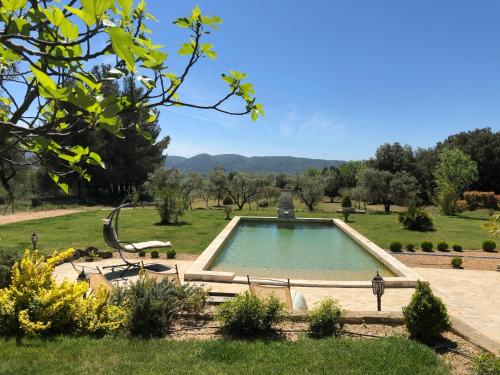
{"x": 182, "y": 22}
{"x": 196, "y": 13}
{"x": 12, "y": 5}
{"x": 187, "y": 49}
{"x": 126, "y": 6}
{"x": 43, "y": 79}
{"x": 122, "y": 43}
{"x": 207, "y": 50}
{"x": 238, "y": 75}
{"x": 86, "y": 17}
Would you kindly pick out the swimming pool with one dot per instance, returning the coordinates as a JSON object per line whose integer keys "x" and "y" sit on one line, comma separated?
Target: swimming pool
{"x": 296, "y": 250}
{"x": 308, "y": 251}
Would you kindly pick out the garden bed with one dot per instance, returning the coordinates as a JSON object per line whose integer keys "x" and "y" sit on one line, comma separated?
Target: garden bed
{"x": 472, "y": 260}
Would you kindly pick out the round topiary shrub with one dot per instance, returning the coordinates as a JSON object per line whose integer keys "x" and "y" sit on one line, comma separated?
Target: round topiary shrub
{"x": 416, "y": 219}
{"x": 426, "y": 246}
{"x": 263, "y": 203}
{"x": 396, "y": 246}
{"x": 489, "y": 245}
{"x": 442, "y": 246}
{"x": 228, "y": 201}
{"x": 457, "y": 247}
{"x": 426, "y": 315}
{"x": 326, "y": 318}
{"x": 410, "y": 247}
{"x": 346, "y": 202}
{"x": 248, "y": 315}
{"x": 142, "y": 253}
{"x": 171, "y": 253}
{"x": 456, "y": 262}
{"x": 155, "y": 254}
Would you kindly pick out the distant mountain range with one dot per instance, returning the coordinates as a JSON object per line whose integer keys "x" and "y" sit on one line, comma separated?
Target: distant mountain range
{"x": 204, "y": 163}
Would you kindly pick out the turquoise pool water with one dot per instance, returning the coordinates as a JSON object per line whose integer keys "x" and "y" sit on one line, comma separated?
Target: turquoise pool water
{"x": 296, "y": 250}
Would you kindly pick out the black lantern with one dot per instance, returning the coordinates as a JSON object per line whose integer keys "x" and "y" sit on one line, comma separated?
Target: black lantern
{"x": 82, "y": 276}
{"x": 34, "y": 239}
{"x": 378, "y": 285}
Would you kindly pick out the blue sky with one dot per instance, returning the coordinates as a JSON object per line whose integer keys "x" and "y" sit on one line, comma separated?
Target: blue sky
{"x": 338, "y": 78}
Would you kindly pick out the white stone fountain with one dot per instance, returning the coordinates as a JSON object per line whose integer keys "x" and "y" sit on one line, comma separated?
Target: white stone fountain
{"x": 285, "y": 208}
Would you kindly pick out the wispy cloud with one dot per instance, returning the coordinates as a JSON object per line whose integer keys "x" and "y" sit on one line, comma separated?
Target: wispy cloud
{"x": 317, "y": 125}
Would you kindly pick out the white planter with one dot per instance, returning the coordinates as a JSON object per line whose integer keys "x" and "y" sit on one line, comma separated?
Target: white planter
{"x": 228, "y": 208}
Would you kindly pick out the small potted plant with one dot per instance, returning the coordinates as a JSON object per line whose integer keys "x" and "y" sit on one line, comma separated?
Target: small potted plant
{"x": 346, "y": 207}
{"x": 228, "y": 206}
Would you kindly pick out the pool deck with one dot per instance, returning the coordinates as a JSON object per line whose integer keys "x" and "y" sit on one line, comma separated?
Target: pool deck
{"x": 200, "y": 268}
{"x": 470, "y": 295}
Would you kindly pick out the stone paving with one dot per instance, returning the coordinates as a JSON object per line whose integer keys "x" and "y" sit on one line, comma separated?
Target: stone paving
{"x": 473, "y": 296}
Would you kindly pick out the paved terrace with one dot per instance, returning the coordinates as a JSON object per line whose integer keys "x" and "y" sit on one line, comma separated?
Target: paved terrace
{"x": 473, "y": 296}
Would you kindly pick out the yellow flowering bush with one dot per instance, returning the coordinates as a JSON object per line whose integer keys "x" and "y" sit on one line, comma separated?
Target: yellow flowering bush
{"x": 35, "y": 304}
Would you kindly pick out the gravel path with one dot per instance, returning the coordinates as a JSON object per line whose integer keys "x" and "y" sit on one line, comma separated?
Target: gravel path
{"x": 32, "y": 215}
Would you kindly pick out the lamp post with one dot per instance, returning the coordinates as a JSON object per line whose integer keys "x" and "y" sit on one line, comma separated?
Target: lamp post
{"x": 82, "y": 276}
{"x": 34, "y": 239}
{"x": 378, "y": 285}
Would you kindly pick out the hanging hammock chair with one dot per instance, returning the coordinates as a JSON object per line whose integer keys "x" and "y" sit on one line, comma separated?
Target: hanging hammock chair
{"x": 110, "y": 233}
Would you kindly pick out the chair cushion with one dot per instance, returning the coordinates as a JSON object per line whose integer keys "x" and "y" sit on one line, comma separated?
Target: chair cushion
{"x": 147, "y": 245}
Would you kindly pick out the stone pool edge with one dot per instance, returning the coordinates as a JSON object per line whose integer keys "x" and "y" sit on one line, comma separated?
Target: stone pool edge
{"x": 406, "y": 278}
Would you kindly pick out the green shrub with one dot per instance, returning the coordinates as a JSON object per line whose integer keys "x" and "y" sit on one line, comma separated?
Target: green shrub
{"x": 416, "y": 219}
{"x": 171, "y": 253}
{"x": 426, "y": 315}
{"x": 457, "y": 247}
{"x": 248, "y": 315}
{"x": 396, "y": 246}
{"x": 105, "y": 254}
{"x": 326, "y": 318}
{"x": 426, "y": 246}
{"x": 7, "y": 259}
{"x": 346, "y": 202}
{"x": 456, "y": 262}
{"x": 263, "y": 203}
{"x": 171, "y": 204}
{"x": 228, "y": 201}
{"x": 442, "y": 246}
{"x": 410, "y": 247}
{"x": 152, "y": 306}
{"x": 142, "y": 253}
{"x": 489, "y": 245}
{"x": 155, "y": 254}
{"x": 486, "y": 364}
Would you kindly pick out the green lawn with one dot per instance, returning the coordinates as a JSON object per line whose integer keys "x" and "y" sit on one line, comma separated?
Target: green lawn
{"x": 200, "y": 226}
{"x": 464, "y": 230}
{"x": 121, "y": 356}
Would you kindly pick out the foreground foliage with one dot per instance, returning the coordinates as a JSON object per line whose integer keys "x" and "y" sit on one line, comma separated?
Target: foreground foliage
{"x": 152, "y": 306}
{"x": 325, "y": 319}
{"x": 248, "y": 315}
{"x": 394, "y": 355}
{"x": 35, "y": 304}
{"x": 426, "y": 315}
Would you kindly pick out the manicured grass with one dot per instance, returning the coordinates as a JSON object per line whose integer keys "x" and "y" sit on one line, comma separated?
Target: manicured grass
{"x": 121, "y": 356}
{"x": 200, "y": 226}
{"x": 464, "y": 230}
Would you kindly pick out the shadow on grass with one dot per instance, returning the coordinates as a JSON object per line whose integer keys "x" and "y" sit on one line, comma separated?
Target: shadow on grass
{"x": 178, "y": 224}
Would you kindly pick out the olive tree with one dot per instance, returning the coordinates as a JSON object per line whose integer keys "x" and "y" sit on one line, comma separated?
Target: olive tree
{"x": 243, "y": 187}
{"x": 48, "y": 91}
{"x": 454, "y": 172}
{"x": 310, "y": 187}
